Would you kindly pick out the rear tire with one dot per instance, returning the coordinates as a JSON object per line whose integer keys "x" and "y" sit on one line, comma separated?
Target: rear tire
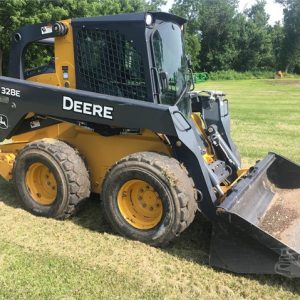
{"x": 50, "y": 178}
{"x": 149, "y": 197}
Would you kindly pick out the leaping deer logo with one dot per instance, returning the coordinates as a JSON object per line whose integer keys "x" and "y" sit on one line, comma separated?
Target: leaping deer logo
{"x": 3, "y": 122}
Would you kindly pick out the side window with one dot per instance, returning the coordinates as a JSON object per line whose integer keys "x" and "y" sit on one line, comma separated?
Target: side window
{"x": 170, "y": 60}
{"x": 109, "y": 64}
{"x": 39, "y": 59}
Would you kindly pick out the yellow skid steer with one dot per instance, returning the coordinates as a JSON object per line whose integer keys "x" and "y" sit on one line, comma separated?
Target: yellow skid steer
{"x": 114, "y": 113}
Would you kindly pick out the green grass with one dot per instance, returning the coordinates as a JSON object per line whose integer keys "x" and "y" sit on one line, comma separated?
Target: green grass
{"x": 82, "y": 259}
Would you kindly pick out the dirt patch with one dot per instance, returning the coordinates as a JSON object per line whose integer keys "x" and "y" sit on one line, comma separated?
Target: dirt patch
{"x": 282, "y": 213}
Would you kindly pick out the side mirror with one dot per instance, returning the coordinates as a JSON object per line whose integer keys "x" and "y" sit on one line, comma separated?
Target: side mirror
{"x": 189, "y": 62}
{"x": 191, "y": 79}
{"x": 164, "y": 80}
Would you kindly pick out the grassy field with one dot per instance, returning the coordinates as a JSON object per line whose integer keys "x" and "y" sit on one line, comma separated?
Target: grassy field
{"x": 82, "y": 259}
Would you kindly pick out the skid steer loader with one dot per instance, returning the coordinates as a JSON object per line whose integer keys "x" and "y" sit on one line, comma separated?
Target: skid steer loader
{"x": 113, "y": 113}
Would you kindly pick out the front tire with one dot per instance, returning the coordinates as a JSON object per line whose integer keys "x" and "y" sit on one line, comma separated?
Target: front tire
{"x": 50, "y": 178}
{"x": 149, "y": 197}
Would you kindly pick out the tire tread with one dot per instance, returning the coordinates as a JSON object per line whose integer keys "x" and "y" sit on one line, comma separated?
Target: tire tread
{"x": 74, "y": 168}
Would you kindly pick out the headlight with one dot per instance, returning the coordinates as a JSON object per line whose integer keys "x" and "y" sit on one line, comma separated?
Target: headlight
{"x": 149, "y": 19}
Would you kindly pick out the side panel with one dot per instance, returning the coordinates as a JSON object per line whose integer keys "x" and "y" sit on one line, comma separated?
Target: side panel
{"x": 77, "y": 106}
{"x": 99, "y": 152}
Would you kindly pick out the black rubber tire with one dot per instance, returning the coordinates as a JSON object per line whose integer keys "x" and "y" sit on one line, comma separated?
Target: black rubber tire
{"x": 69, "y": 170}
{"x": 172, "y": 182}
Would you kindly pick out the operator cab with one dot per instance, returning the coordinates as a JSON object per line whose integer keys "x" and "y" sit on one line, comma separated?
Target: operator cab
{"x": 139, "y": 56}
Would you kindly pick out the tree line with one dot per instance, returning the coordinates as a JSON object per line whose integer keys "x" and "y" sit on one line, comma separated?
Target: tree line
{"x": 218, "y": 36}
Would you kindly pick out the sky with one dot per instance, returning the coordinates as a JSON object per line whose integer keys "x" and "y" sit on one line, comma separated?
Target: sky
{"x": 272, "y": 8}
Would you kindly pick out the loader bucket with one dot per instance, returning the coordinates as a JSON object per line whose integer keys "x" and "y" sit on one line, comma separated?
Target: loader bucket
{"x": 258, "y": 225}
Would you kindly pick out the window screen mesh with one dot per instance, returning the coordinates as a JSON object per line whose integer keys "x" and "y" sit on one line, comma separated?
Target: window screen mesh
{"x": 109, "y": 64}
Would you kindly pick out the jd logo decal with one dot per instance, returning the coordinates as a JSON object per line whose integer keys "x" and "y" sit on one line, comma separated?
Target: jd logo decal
{"x": 3, "y": 122}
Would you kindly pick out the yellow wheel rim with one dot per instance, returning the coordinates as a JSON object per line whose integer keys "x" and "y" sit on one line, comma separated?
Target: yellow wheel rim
{"x": 140, "y": 204}
{"x": 41, "y": 184}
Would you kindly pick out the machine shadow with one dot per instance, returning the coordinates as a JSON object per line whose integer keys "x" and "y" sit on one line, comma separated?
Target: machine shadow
{"x": 91, "y": 216}
{"x": 193, "y": 244}
{"x": 8, "y": 195}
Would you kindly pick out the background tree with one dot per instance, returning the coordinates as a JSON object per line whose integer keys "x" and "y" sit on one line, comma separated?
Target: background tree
{"x": 215, "y": 19}
{"x": 242, "y": 41}
{"x": 290, "y": 54}
{"x": 254, "y": 40}
{"x": 277, "y": 36}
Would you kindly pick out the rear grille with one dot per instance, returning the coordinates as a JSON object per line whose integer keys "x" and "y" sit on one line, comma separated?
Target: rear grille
{"x": 109, "y": 64}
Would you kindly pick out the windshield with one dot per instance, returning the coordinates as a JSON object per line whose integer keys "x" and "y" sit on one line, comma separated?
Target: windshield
{"x": 170, "y": 61}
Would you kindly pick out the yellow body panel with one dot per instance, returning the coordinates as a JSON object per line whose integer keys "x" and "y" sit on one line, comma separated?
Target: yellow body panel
{"x": 99, "y": 152}
{"x": 64, "y": 57}
{"x": 48, "y": 78}
{"x": 6, "y": 165}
